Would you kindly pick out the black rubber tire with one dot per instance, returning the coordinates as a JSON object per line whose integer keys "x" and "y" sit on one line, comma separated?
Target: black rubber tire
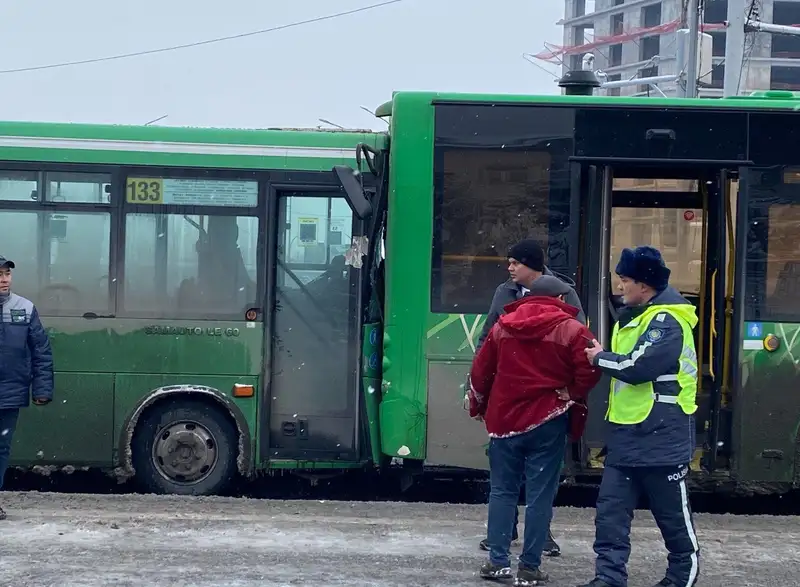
{"x": 155, "y": 419}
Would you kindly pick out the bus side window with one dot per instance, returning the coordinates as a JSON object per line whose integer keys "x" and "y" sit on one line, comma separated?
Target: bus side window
{"x": 180, "y": 265}
{"x": 773, "y": 257}
{"x": 63, "y": 256}
{"x": 501, "y": 176}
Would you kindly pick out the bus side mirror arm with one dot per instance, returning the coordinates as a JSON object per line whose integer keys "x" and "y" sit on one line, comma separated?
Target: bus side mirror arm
{"x": 350, "y": 182}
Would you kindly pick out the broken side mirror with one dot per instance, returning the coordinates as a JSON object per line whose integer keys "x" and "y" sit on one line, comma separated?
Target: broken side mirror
{"x": 354, "y": 193}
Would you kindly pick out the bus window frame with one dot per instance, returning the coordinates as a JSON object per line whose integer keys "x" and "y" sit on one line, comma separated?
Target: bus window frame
{"x": 42, "y": 169}
{"x": 126, "y": 208}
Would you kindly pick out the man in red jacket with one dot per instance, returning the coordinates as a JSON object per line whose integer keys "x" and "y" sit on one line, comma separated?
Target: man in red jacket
{"x": 529, "y": 383}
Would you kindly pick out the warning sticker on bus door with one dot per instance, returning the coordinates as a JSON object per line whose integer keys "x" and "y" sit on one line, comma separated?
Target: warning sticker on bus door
{"x": 308, "y": 231}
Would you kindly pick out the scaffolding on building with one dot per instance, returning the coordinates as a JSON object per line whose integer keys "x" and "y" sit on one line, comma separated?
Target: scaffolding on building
{"x": 555, "y": 53}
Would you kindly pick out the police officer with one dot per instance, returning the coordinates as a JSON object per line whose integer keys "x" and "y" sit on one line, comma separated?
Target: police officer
{"x": 651, "y": 433}
{"x": 26, "y": 362}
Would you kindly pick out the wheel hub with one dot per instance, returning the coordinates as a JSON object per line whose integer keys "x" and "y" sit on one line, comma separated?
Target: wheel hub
{"x": 184, "y": 452}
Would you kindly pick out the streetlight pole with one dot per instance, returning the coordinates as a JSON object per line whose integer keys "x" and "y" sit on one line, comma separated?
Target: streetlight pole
{"x": 734, "y": 47}
{"x": 693, "y": 21}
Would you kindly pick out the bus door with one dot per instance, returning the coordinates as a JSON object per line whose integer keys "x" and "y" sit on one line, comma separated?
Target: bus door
{"x": 591, "y": 201}
{"x": 766, "y": 335}
{"x": 680, "y": 212}
{"x": 674, "y": 213}
{"x": 311, "y": 412}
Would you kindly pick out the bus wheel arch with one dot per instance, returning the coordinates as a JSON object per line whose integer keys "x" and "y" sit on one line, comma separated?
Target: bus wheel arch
{"x": 214, "y": 411}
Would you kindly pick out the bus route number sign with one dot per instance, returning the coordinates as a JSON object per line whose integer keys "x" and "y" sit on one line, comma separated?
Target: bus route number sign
{"x": 191, "y": 192}
{"x": 144, "y": 190}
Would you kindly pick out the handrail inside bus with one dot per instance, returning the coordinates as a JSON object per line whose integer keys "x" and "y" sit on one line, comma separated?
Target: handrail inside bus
{"x": 713, "y": 332}
{"x": 729, "y": 286}
{"x": 703, "y": 287}
{"x": 605, "y": 256}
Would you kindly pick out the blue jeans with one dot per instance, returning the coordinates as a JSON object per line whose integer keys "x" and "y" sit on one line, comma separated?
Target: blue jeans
{"x": 536, "y": 456}
{"x": 8, "y": 424}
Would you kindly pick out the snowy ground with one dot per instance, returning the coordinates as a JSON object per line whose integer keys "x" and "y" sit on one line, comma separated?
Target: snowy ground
{"x": 92, "y": 540}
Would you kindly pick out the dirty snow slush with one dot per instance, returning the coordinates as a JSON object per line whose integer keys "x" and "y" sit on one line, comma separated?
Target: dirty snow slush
{"x": 92, "y": 540}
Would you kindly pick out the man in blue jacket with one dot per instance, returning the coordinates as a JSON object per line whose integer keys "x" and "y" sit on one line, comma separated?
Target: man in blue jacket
{"x": 651, "y": 435}
{"x": 26, "y": 362}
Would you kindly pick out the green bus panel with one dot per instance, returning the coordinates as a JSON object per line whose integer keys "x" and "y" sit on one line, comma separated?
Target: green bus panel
{"x": 403, "y": 408}
{"x": 453, "y": 438}
{"x": 120, "y": 345}
{"x": 306, "y": 150}
{"x": 105, "y": 367}
{"x": 767, "y": 429}
{"x": 76, "y": 428}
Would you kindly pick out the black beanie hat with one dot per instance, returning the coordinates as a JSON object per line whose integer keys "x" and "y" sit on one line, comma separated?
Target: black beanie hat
{"x": 529, "y": 253}
{"x": 645, "y": 265}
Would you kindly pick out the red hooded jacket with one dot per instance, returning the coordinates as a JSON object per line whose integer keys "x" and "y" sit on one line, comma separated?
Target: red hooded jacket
{"x": 534, "y": 350}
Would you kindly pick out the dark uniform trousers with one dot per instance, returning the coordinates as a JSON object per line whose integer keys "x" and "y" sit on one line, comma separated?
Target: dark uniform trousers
{"x": 8, "y": 423}
{"x": 668, "y": 497}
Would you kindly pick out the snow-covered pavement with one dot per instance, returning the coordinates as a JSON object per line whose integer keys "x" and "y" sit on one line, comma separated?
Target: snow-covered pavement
{"x": 55, "y": 539}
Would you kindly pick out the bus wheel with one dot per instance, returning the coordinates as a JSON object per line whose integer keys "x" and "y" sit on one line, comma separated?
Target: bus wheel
{"x": 184, "y": 447}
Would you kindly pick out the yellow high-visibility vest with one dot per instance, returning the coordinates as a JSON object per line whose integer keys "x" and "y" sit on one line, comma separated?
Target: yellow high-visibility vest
{"x": 631, "y": 404}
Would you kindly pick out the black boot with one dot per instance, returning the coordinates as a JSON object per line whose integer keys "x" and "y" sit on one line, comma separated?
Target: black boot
{"x": 3, "y": 514}
{"x": 494, "y": 572}
{"x": 528, "y": 577}
{"x": 550, "y": 546}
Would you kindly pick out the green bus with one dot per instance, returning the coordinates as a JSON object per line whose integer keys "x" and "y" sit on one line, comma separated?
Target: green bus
{"x": 251, "y": 300}
{"x": 199, "y": 293}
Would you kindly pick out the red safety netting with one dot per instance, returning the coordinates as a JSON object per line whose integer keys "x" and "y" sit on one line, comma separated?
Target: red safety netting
{"x": 553, "y": 53}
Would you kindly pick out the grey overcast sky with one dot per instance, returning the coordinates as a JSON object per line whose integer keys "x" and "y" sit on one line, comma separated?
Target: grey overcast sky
{"x": 291, "y": 77}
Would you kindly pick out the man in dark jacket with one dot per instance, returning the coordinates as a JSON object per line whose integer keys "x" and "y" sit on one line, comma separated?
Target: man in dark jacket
{"x": 651, "y": 436}
{"x": 529, "y": 373}
{"x": 520, "y": 280}
{"x": 526, "y": 266}
{"x": 26, "y": 362}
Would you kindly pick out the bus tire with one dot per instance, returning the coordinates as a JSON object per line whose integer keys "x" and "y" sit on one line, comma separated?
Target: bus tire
{"x": 184, "y": 447}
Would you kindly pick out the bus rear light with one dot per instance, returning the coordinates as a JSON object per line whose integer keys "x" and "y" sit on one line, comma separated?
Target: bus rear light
{"x": 241, "y": 390}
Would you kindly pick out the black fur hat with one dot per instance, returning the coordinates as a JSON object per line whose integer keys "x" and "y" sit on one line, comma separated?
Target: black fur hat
{"x": 645, "y": 265}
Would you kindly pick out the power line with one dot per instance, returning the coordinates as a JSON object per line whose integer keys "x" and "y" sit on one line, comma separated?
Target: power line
{"x": 200, "y": 43}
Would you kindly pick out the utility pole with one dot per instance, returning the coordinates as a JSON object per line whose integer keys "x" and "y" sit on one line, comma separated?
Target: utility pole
{"x": 734, "y": 47}
{"x": 693, "y": 23}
